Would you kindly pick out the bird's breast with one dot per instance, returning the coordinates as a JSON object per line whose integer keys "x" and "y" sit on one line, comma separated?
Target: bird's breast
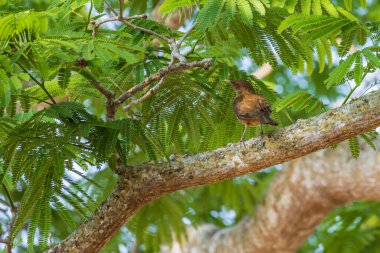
{"x": 247, "y": 105}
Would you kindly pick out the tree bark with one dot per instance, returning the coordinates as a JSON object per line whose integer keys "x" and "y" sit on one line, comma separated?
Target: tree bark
{"x": 142, "y": 184}
{"x": 300, "y": 196}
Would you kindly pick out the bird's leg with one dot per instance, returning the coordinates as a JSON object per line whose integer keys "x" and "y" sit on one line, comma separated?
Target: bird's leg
{"x": 261, "y": 130}
{"x": 242, "y": 137}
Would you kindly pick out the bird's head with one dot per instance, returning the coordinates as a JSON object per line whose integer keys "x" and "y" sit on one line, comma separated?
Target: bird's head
{"x": 242, "y": 86}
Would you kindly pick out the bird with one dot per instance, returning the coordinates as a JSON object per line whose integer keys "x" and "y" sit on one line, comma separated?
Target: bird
{"x": 250, "y": 108}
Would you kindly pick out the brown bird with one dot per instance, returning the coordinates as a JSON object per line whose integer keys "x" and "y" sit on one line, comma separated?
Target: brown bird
{"x": 250, "y": 108}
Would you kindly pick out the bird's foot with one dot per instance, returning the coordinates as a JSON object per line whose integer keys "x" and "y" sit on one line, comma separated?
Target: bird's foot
{"x": 242, "y": 142}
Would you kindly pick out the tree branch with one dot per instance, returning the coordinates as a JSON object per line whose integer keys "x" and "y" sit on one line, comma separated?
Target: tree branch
{"x": 142, "y": 184}
{"x": 110, "y": 97}
{"x": 96, "y": 25}
{"x": 160, "y": 36}
{"x": 145, "y": 96}
{"x": 120, "y": 9}
{"x": 296, "y": 202}
{"x": 41, "y": 84}
{"x": 185, "y": 35}
{"x": 107, "y": 93}
{"x": 206, "y": 63}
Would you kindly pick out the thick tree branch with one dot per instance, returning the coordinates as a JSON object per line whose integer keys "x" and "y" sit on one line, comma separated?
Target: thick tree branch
{"x": 300, "y": 196}
{"x": 206, "y": 63}
{"x": 142, "y": 184}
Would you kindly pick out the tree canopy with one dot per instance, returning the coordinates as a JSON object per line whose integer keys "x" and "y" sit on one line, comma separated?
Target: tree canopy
{"x": 92, "y": 89}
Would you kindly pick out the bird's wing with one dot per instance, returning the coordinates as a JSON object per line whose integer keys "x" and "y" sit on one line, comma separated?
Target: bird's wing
{"x": 264, "y": 107}
{"x": 250, "y": 106}
{"x": 249, "y": 115}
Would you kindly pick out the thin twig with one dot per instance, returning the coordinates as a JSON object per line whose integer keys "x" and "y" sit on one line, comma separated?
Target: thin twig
{"x": 5, "y": 203}
{"x": 111, "y": 8}
{"x": 38, "y": 99}
{"x": 120, "y": 9}
{"x": 117, "y": 86}
{"x": 186, "y": 35}
{"x": 41, "y": 84}
{"x": 9, "y": 197}
{"x": 145, "y": 96}
{"x": 125, "y": 21}
{"x": 205, "y": 63}
{"x": 89, "y": 13}
{"x": 111, "y": 19}
{"x": 47, "y": 93}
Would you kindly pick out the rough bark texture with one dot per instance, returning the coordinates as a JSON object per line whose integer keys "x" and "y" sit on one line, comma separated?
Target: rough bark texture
{"x": 142, "y": 184}
{"x": 301, "y": 195}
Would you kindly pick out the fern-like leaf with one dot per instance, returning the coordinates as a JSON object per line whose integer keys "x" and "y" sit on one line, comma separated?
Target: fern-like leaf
{"x": 354, "y": 146}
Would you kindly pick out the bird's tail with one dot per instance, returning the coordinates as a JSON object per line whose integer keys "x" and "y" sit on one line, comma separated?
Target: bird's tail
{"x": 264, "y": 119}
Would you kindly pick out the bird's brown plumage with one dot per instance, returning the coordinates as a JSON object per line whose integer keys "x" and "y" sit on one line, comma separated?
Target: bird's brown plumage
{"x": 250, "y": 108}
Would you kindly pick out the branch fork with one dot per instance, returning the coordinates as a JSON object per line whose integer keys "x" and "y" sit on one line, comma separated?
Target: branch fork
{"x": 112, "y": 104}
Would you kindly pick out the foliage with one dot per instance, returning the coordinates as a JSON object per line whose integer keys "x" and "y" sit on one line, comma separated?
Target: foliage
{"x": 53, "y": 131}
{"x": 352, "y": 228}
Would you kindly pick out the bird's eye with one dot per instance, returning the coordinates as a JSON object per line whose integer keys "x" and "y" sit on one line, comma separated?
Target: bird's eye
{"x": 262, "y": 110}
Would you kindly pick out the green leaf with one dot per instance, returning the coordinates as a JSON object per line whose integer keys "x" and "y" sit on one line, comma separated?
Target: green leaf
{"x": 5, "y": 89}
{"x": 363, "y": 3}
{"x": 208, "y": 15}
{"x": 63, "y": 77}
{"x": 291, "y": 5}
{"x": 32, "y": 227}
{"x": 299, "y": 101}
{"x": 348, "y": 4}
{"x": 245, "y": 12}
{"x": 362, "y": 35}
{"x": 328, "y": 51}
{"x": 317, "y": 10}
{"x": 373, "y": 59}
{"x": 88, "y": 50}
{"x": 321, "y": 55}
{"x": 230, "y": 8}
{"x": 258, "y": 6}
{"x": 99, "y": 5}
{"x": 340, "y": 71}
{"x": 18, "y": 54}
{"x": 369, "y": 141}
{"x": 306, "y": 7}
{"x": 139, "y": 73}
{"x": 347, "y": 14}
{"x": 15, "y": 83}
{"x": 169, "y": 6}
{"x": 330, "y": 8}
{"x": 359, "y": 70}
{"x": 354, "y": 146}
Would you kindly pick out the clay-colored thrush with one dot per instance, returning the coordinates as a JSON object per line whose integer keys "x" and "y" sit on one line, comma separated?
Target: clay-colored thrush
{"x": 250, "y": 108}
